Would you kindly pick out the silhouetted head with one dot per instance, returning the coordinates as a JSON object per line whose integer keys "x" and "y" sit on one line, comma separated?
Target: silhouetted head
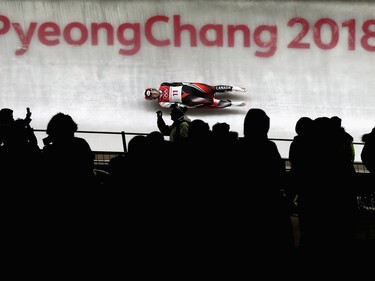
{"x": 323, "y": 127}
{"x": 256, "y": 124}
{"x": 155, "y": 138}
{"x": 152, "y": 94}
{"x": 61, "y": 126}
{"x": 336, "y": 121}
{"x": 220, "y": 128}
{"x": 177, "y": 112}
{"x": 369, "y": 137}
{"x": 16, "y": 132}
{"x": 199, "y": 129}
{"x": 304, "y": 125}
{"x": 6, "y": 116}
{"x": 137, "y": 144}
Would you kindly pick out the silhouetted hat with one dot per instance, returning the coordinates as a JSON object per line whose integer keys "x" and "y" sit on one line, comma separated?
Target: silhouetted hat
{"x": 178, "y": 111}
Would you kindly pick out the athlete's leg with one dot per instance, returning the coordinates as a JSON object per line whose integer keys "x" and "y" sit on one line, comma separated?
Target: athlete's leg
{"x": 221, "y": 103}
{"x": 199, "y": 89}
{"x": 191, "y": 101}
{"x": 226, "y": 103}
{"x": 209, "y": 89}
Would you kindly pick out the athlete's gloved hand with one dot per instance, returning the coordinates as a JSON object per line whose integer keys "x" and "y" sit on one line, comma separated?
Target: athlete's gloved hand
{"x": 159, "y": 113}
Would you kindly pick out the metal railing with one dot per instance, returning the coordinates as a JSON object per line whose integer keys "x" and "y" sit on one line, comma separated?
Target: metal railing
{"x": 102, "y": 157}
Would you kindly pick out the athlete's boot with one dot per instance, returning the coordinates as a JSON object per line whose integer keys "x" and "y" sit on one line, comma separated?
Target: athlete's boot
{"x": 238, "y": 103}
{"x": 238, "y": 89}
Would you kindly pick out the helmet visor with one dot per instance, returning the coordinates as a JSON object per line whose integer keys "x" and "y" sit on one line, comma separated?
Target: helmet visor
{"x": 148, "y": 94}
{"x": 152, "y": 94}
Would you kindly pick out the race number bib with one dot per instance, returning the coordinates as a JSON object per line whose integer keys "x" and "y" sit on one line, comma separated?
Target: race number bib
{"x": 175, "y": 94}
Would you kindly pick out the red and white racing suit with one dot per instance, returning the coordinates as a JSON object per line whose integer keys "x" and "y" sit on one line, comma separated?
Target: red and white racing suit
{"x": 191, "y": 94}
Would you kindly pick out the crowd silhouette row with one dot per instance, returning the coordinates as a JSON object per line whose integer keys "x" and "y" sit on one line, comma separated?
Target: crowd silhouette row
{"x": 206, "y": 190}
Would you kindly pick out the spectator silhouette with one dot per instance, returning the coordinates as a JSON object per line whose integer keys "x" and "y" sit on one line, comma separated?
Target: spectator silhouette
{"x": 327, "y": 202}
{"x": 223, "y": 146}
{"x": 300, "y": 146}
{"x": 22, "y": 202}
{"x": 143, "y": 150}
{"x": 367, "y": 181}
{"x": 136, "y": 158}
{"x": 117, "y": 170}
{"x": 299, "y": 156}
{"x": 158, "y": 150}
{"x": 67, "y": 160}
{"x": 75, "y": 216}
{"x": 223, "y": 137}
{"x": 345, "y": 139}
{"x": 199, "y": 138}
{"x": 368, "y": 159}
{"x": 264, "y": 220}
{"x": 6, "y": 117}
{"x": 19, "y": 151}
{"x": 6, "y": 121}
{"x": 368, "y": 151}
{"x": 202, "y": 195}
{"x": 152, "y": 212}
{"x": 179, "y": 130}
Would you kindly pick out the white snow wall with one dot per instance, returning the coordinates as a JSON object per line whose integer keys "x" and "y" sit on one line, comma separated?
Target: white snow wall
{"x": 296, "y": 58}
